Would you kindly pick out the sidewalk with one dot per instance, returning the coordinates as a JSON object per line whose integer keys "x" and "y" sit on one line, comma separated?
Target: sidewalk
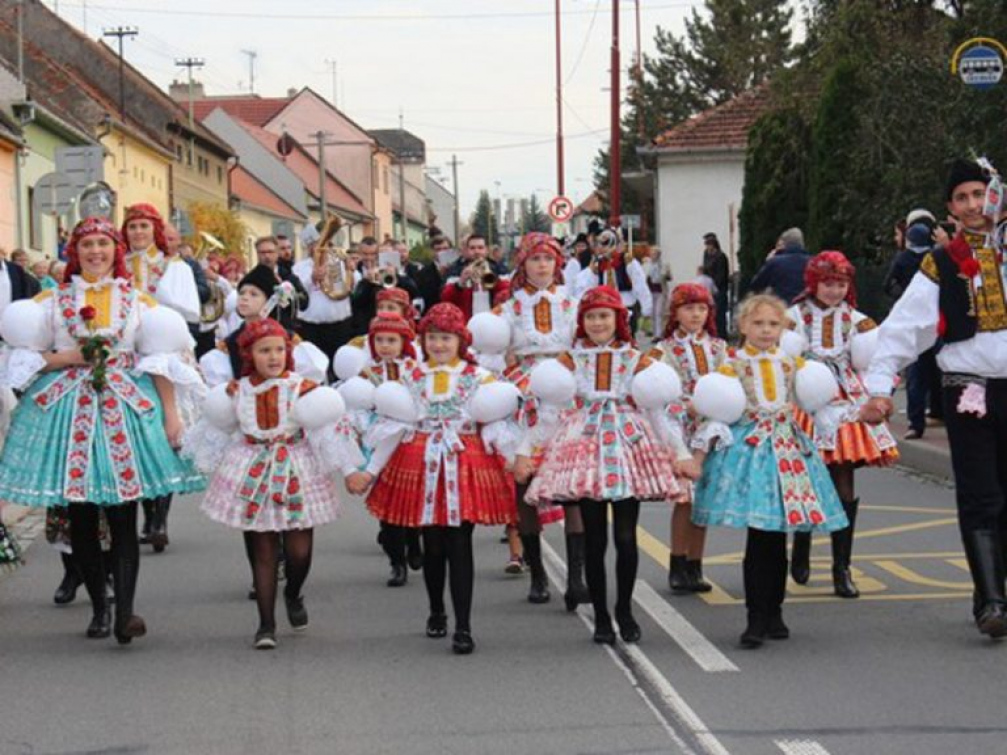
{"x": 931, "y": 454}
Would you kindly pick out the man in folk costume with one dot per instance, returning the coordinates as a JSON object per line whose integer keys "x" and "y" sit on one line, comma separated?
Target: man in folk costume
{"x": 959, "y": 295}
{"x": 166, "y": 277}
{"x": 611, "y": 268}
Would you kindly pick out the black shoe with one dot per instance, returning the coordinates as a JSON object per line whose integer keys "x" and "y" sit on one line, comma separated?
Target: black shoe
{"x": 629, "y": 629}
{"x": 101, "y": 625}
{"x": 414, "y": 559}
{"x": 67, "y": 590}
{"x": 252, "y": 594}
{"x": 576, "y": 591}
{"x": 604, "y": 634}
{"x": 265, "y": 639}
{"x": 694, "y": 572}
{"x": 800, "y": 558}
{"x": 437, "y": 626}
{"x": 148, "y": 516}
{"x": 297, "y": 614}
{"x": 992, "y": 621}
{"x": 843, "y": 584}
{"x": 678, "y": 580}
{"x": 129, "y": 629}
{"x": 462, "y": 642}
{"x": 755, "y": 633}
{"x": 399, "y": 576}
{"x": 538, "y": 591}
{"x": 776, "y": 629}
{"x": 159, "y": 524}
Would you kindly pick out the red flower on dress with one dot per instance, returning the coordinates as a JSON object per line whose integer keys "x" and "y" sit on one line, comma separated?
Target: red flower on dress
{"x": 88, "y": 313}
{"x": 256, "y": 471}
{"x": 294, "y": 486}
{"x": 816, "y": 517}
{"x": 784, "y": 466}
{"x": 281, "y": 454}
{"x": 42, "y": 400}
{"x": 119, "y": 438}
{"x": 80, "y": 436}
{"x": 277, "y": 498}
{"x": 799, "y": 466}
{"x": 144, "y": 404}
{"x": 794, "y": 517}
{"x": 84, "y": 401}
{"x": 110, "y": 403}
{"x": 752, "y": 440}
{"x": 608, "y": 437}
{"x": 127, "y": 474}
{"x": 76, "y": 473}
{"x": 611, "y": 480}
{"x": 67, "y": 313}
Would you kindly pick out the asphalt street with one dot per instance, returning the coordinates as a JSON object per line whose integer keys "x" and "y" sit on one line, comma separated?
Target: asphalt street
{"x": 901, "y": 670}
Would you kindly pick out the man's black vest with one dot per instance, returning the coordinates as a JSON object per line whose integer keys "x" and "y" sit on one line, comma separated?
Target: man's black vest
{"x": 959, "y": 325}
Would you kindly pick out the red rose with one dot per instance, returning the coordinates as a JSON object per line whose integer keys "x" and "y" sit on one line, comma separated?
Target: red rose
{"x": 80, "y": 436}
{"x": 816, "y": 517}
{"x": 799, "y": 467}
{"x": 256, "y": 471}
{"x": 277, "y": 498}
{"x": 88, "y": 313}
{"x": 119, "y": 438}
{"x": 42, "y": 400}
{"x": 608, "y": 437}
{"x": 969, "y": 267}
{"x": 784, "y": 466}
{"x": 76, "y": 473}
{"x": 84, "y": 401}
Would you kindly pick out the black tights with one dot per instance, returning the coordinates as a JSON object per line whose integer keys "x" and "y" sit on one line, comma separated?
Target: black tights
{"x": 265, "y": 553}
{"x": 624, "y": 518}
{"x": 125, "y": 554}
{"x": 445, "y": 547}
{"x": 398, "y": 542}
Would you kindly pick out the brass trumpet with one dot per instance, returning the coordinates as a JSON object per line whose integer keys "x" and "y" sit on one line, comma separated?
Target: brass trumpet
{"x": 482, "y": 272}
{"x": 213, "y": 309}
{"x": 386, "y": 277}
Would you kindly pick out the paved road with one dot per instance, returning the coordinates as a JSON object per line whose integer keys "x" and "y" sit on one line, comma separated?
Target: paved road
{"x": 899, "y": 671}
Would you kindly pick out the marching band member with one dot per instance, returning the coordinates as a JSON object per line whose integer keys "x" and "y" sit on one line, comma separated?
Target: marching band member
{"x": 610, "y": 268}
{"x": 475, "y": 283}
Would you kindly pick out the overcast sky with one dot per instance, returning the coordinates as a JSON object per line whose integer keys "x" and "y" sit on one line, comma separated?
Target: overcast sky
{"x": 470, "y": 77}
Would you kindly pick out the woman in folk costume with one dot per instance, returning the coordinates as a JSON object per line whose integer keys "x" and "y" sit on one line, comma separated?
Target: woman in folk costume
{"x": 536, "y": 323}
{"x": 269, "y": 439}
{"x": 391, "y": 357}
{"x": 691, "y": 347}
{"x": 619, "y": 446}
{"x": 98, "y": 420}
{"x": 437, "y": 462}
{"x": 843, "y": 338}
{"x": 762, "y": 472}
{"x": 172, "y": 283}
{"x": 10, "y": 550}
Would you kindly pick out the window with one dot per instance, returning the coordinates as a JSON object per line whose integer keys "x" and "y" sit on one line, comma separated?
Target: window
{"x": 220, "y": 174}
{"x": 178, "y": 152}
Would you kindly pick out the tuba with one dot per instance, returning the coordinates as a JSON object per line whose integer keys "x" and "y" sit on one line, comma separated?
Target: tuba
{"x": 482, "y": 272}
{"x": 213, "y": 309}
{"x": 338, "y": 281}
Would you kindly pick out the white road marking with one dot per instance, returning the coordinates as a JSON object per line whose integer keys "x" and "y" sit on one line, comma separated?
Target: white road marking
{"x": 645, "y": 672}
{"x": 690, "y": 639}
{"x": 801, "y": 747}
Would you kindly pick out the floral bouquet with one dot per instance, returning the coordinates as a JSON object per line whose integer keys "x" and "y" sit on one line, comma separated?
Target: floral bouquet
{"x": 95, "y": 350}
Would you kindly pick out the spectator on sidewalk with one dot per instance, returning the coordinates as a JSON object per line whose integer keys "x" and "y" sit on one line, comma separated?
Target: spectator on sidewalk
{"x": 718, "y": 268}
{"x": 783, "y": 273}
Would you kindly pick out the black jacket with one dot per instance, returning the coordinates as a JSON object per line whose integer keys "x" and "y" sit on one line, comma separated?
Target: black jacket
{"x": 22, "y": 284}
{"x": 783, "y": 273}
{"x": 365, "y": 305}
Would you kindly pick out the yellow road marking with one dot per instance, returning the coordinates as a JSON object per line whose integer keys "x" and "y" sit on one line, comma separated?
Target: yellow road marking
{"x": 661, "y": 553}
{"x": 910, "y": 575}
{"x": 909, "y": 509}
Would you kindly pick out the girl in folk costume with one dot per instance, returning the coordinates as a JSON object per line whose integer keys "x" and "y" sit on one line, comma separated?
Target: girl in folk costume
{"x": 838, "y": 335}
{"x": 391, "y": 358}
{"x": 763, "y": 473}
{"x": 619, "y": 446}
{"x": 98, "y": 419}
{"x": 437, "y": 461}
{"x": 269, "y": 440}
{"x": 394, "y": 301}
{"x": 536, "y": 323}
{"x": 691, "y": 347}
{"x": 612, "y": 267}
{"x": 10, "y": 550}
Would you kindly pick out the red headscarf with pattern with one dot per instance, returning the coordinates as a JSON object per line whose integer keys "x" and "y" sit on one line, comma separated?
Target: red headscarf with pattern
{"x": 447, "y": 318}
{"x": 691, "y": 293}
{"x": 386, "y": 322}
{"x": 401, "y": 297}
{"x": 90, "y": 227}
{"x": 146, "y": 212}
{"x": 532, "y": 244}
{"x": 829, "y": 266}
{"x": 252, "y": 332}
{"x": 605, "y": 297}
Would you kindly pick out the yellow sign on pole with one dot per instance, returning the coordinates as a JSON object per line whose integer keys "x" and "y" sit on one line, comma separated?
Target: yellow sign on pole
{"x": 979, "y": 62}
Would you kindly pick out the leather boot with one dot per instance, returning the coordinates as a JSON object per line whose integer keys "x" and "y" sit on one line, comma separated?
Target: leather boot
{"x": 414, "y": 550}
{"x": 67, "y": 590}
{"x": 159, "y": 524}
{"x": 394, "y": 545}
{"x": 678, "y": 580}
{"x": 775, "y": 628}
{"x": 576, "y": 590}
{"x": 538, "y": 592}
{"x": 800, "y": 558}
{"x": 985, "y": 557}
{"x": 94, "y": 581}
{"x": 127, "y": 624}
{"x": 757, "y": 604}
{"x": 694, "y": 574}
{"x": 842, "y": 553}
{"x": 148, "y": 518}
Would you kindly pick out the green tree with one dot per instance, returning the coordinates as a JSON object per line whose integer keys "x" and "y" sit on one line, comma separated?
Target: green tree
{"x": 483, "y": 221}
{"x": 533, "y": 218}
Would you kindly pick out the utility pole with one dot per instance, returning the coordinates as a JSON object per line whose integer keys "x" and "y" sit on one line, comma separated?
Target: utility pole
{"x": 402, "y": 182}
{"x": 560, "y": 187}
{"x": 335, "y": 86}
{"x": 615, "y": 158}
{"x": 190, "y": 63}
{"x": 320, "y": 135}
{"x": 454, "y": 180}
{"x": 121, "y": 32}
{"x": 252, "y": 55}
{"x": 19, "y": 10}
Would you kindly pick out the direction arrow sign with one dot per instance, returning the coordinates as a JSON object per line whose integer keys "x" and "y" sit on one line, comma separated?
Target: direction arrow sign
{"x": 561, "y": 209}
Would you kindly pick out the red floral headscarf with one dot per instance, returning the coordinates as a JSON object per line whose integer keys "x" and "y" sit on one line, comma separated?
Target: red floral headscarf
{"x": 256, "y": 331}
{"x": 605, "y": 297}
{"x": 447, "y": 318}
{"x": 146, "y": 212}
{"x": 826, "y": 266}
{"x": 386, "y": 322}
{"x": 401, "y": 297}
{"x": 691, "y": 293}
{"x": 90, "y": 227}
{"x": 532, "y": 244}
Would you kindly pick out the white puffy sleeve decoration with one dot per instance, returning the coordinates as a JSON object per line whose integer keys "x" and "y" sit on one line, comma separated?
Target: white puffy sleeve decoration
{"x": 207, "y": 441}
{"x": 862, "y": 348}
{"x": 165, "y": 349}
{"x": 397, "y": 415}
{"x": 815, "y": 386}
{"x": 349, "y": 361}
{"x": 491, "y": 334}
{"x": 27, "y": 329}
{"x": 177, "y": 290}
{"x": 552, "y": 383}
{"x": 358, "y": 394}
{"x": 721, "y": 400}
{"x": 793, "y": 343}
{"x": 319, "y": 412}
{"x": 310, "y": 362}
{"x": 656, "y": 386}
{"x": 494, "y": 406}
{"x": 162, "y": 331}
{"x": 216, "y": 368}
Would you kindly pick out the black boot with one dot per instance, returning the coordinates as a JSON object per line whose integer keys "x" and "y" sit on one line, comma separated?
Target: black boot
{"x": 694, "y": 575}
{"x": 842, "y": 553}
{"x": 148, "y": 518}
{"x": 538, "y": 592}
{"x": 414, "y": 551}
{"x": 757, "y": 605}
{"x": 94, "y": 581}
{"x": 800, "y": 558}
{"x": 604, "y": 634}
{"x": 775, "y": 628}
{"x": 127, "y": 624}
{"x": 399, "y": 575}
{"x": 159, "y": 524}
{"x": 576, "y": 591}
{"x": 985, "y": 557}
{"x": 678, "y": 579}
{"x": 394, "y": 545}
{"x": 67, "y": 590}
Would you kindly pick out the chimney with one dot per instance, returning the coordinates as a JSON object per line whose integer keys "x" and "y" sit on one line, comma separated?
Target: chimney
{"x": 292, "y": 92}
{"x": 179, "y": 91}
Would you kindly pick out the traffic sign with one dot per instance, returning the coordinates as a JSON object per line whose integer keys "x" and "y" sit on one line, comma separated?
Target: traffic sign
{"x": 561, "y": 209}
{"x": 631, "y": 221}
{"x": 54, "y": 194}
{"x": 285, "y": 144}
{"x": 979, "y": 62}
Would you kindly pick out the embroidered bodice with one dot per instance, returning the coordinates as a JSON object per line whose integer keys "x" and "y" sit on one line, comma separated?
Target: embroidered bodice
{"x": 767, "y": 377}
{"x": 604, "y": 373}
{"x": 117, "y": 308}
{"x": 442, "y": 392}
{"x": 543, "y": 321}
{"x": 829, "y": 330}
{"x": 265, "y": 409}
{"x": 147, "y": 267}
{"x": 691, "y": 356}
{"x": 382, "y": 371}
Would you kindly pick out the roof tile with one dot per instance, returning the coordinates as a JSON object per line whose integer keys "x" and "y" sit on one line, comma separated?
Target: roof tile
{"x": 722, "y": 127}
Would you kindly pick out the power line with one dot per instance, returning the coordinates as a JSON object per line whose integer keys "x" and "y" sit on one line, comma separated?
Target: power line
{"x": 583, "y": 47}
{"x": 515, "y": 145}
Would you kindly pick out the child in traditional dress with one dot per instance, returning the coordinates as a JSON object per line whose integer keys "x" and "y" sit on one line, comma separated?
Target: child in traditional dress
{"x": 437, "y": 464}
{"x": 691, "y": 347}
{"x": 609, "y": 451}
{"x": 763, "y": 473}
{"x": 268, "y": 438}
{"x": 842, "y": 338}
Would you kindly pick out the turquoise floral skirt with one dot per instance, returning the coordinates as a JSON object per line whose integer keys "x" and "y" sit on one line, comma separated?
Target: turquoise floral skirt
{"x": 79, "y": 445}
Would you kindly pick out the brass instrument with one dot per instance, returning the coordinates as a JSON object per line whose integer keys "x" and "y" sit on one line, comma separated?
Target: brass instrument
{"x": 482, "y": 272}
{"x": 213, "y": 309}
{"x": 386, "y": 277}
{"x": 338, "y": 282}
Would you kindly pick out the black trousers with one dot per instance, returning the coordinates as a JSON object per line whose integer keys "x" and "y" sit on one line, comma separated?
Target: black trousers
{"x": 327, "y": 336}
{"x": 205, "y": 342}
{"x": 979, "y": 457}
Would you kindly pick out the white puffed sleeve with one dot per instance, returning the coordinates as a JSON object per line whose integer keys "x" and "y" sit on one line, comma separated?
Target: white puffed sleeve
{"x": 491, "y": 334}
{"x": 319, "y": 412}
{"x": 815, "y": 386}
{"x": 310, "y": 362}
{"x": 494, "y": 406}
{"x": 27, "y": 330}
{"x": 721, "y": 400}
{"x": 216, "y": 368}
{"x": 165, "y": 348}
{"x": 177, "y": 290}
{"x": 396, "y": 416}
{"x": 206, "y": 442}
